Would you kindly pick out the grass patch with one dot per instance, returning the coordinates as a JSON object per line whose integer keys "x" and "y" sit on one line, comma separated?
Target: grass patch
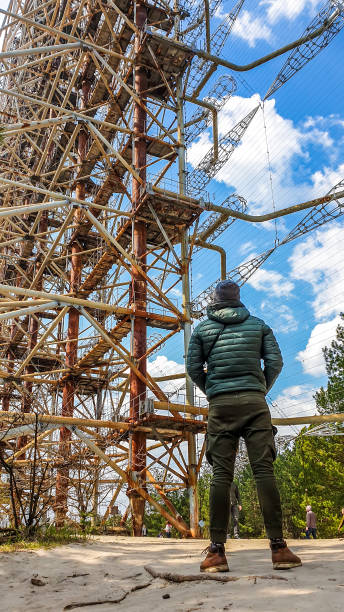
{"x": 42, "y": 538}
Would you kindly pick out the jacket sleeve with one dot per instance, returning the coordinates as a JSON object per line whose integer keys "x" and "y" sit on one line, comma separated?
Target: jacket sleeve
{"x": 195, "y": 361}
{"x": 271, "y": 356}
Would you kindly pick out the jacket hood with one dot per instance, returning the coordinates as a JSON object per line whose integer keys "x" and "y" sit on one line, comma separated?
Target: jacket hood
{"x": 227, "y": 314}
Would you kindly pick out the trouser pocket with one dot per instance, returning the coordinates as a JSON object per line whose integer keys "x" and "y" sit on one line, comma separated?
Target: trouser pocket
{"x": 220, "y": 448}
{"x": 273, "y": 442}
{"x": 208, "y": 450}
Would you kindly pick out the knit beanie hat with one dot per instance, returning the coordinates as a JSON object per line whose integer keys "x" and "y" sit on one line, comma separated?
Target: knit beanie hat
{"x": 227, "y": 293}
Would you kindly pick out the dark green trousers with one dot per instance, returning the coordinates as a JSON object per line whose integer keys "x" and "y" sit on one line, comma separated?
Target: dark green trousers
{"x": 231, "y": 416}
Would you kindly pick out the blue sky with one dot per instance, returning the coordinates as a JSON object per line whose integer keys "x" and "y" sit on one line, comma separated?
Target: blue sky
{"x": 299, "y": 291}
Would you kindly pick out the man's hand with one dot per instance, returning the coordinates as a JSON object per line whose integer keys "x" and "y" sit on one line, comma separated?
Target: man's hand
{"x": 240, "y": 508}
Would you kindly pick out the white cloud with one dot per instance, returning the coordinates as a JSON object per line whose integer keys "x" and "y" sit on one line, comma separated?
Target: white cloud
{"x": 297, "y": 399}
{"x": 291, "y": 402}
{"x": 247, "y": 171}
{"x": 247, "y": 247}
{"x": 251, "y": 29}
{"x": 319, "y": 261}
{"x": 199, "y": 149}
{"x": 175, "y": 389}
{"x": 279, "y": 316}
{"x": 287, "y": 9}
{"x": 315, "y": 136}
{"x": 176, "y": 293}
{"x": 323, "y": 180}
{"x": 272, "y": 282}
{"x": 312, "y": 358}
{"x": 162, "y": 366}
{"x": 320, "y": 120}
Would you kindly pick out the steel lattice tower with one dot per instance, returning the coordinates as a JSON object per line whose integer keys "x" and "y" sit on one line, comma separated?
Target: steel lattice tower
{"x": 99, "y": 221}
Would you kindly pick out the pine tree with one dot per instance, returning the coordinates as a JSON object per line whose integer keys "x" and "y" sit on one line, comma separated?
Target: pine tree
{"x": 331, "y": 400}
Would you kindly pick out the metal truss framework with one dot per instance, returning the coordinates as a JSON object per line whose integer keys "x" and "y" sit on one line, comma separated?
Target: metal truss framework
{"x": 99, "y": 99}
{"x": 331, "y": 207}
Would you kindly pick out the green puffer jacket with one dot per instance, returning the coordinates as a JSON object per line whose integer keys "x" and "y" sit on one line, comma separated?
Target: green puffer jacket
{"x": 234, "y": 359}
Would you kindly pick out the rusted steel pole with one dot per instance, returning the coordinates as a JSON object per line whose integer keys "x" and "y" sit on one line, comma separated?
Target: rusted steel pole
{"x": 27, "y": 397}
{"x": 138, "y": 284}
{"x": 125, "y": 516}
{"x": 186, "y": 296}
{"x": 25, "y": 252}
{"x": 33, "y": 336}
{"x": 6, "y": 398}
{"x": 69, "y": 386}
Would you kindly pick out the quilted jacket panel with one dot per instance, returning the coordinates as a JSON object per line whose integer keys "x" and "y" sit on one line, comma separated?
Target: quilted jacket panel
{"x": 233, "y": 344}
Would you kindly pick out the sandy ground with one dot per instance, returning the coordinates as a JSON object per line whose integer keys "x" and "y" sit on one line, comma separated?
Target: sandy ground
{"x": 106, "y": 568}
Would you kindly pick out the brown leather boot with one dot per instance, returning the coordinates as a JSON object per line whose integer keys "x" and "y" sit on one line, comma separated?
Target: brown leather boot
{"x": 215, "y": 560}
{"x": 282, "y": 557}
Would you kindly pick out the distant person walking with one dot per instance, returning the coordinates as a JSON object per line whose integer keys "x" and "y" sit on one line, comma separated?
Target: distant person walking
{"x": 311, "y": 523}
{"x": 341, "y": 524}
{"x": 168, "y": 529}
{"x": 234, "y": 497}
{"x": 201, "y": 524}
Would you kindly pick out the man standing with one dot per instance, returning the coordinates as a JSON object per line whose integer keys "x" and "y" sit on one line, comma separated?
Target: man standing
{"x": 311, "y": 523}
{"x": 233, "y": 343}
{"x": 234, "y": 497}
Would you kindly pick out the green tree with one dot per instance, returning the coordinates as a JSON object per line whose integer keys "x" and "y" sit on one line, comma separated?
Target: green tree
{"x": 319, "y": 481}
{"x": 153, "y": 520}
{"x": 203, "y": 487}
{"x": 250, "y": 517}
{"x": 331, "y": 399}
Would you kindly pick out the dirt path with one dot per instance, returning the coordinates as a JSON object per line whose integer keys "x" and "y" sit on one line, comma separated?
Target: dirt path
{"x": 111, "y": 569}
